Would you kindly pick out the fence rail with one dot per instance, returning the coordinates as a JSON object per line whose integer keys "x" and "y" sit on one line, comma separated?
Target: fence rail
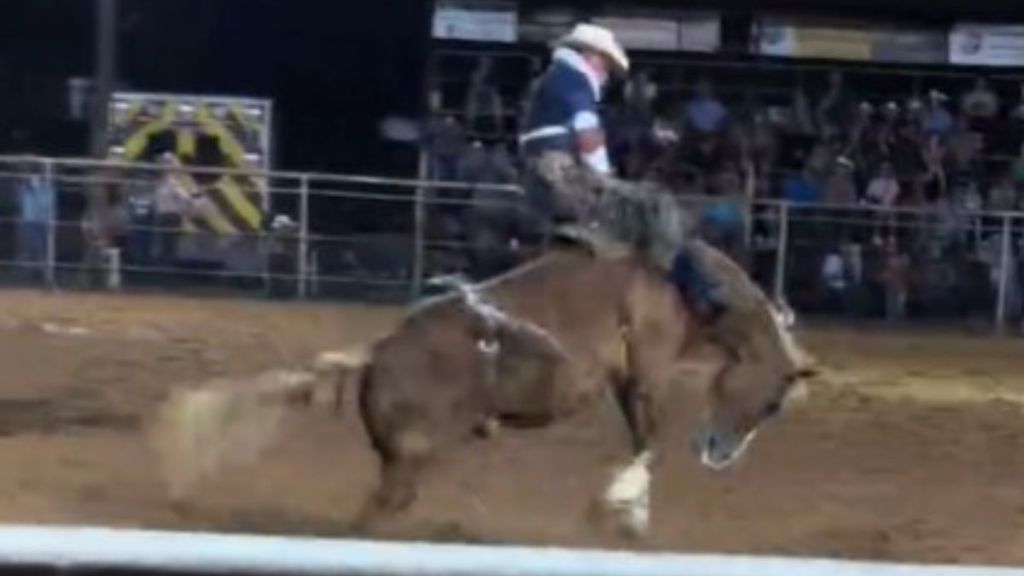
{"x": 370, "y": 237}
{"x": 86, "y": 550}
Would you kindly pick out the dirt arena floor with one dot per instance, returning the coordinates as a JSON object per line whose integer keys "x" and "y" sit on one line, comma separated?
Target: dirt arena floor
{"x": 912, "y": 448}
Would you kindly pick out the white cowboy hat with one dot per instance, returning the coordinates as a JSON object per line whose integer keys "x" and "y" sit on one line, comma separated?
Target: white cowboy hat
{"x": 598, "y": 39}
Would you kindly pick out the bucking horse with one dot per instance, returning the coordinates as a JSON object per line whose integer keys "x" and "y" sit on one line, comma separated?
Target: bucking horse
{"x": 547, "y": 340}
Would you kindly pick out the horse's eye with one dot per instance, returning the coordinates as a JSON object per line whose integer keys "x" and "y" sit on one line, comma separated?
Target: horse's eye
{"x": 772, "y": 408}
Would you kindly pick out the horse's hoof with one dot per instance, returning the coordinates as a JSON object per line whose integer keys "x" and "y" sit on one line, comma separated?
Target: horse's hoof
{"x": 635, "y": 521}
{"x": 628, "y": 498}
{"x": 631, "y": 522}
{"x": 488, "y": 428}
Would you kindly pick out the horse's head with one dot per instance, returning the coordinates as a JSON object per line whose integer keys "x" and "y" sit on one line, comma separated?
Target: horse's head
{"x": 750, "y": 390}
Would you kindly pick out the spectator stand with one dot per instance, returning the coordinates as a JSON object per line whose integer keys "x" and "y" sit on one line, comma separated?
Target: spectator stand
{"x": 852, "y": 121}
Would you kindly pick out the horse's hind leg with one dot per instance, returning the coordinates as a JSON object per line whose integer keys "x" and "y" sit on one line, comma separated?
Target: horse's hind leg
{"x": 401, "y": 462}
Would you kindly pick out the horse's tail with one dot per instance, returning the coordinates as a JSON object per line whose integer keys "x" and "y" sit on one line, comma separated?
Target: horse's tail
{"x": 200, "y": 430}
{"x": 343, "y": 370}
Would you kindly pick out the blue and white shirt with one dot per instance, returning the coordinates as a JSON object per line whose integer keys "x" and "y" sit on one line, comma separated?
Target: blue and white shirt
{"x": 564, "y": 104}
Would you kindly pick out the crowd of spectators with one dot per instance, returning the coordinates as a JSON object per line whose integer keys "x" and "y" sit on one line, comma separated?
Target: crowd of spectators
{"x": 886, "y": 186}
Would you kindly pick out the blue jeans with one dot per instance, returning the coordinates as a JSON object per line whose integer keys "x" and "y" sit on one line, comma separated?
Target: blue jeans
{"x": 31, "y": 247}
{"x": 694, "y": 284}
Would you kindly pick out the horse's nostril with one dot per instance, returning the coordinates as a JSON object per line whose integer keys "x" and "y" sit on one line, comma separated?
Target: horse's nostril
{"x": 710, "y": 443}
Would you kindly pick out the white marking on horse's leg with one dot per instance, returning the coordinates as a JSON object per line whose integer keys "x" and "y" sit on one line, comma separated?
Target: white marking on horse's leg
{"x": 629, "y": 495}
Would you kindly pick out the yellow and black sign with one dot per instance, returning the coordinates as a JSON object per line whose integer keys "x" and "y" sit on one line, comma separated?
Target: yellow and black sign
{"x": 204, "y": 131}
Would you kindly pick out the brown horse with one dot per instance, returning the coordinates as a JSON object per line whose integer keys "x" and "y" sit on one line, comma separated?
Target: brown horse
{"x": 529, "y": 348}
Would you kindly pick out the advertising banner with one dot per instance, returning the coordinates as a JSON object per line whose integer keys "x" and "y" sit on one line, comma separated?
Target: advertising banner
{"x": 849, "y": 41}
{"x": 986, "y": 45}
{"x": 476, "y": 21}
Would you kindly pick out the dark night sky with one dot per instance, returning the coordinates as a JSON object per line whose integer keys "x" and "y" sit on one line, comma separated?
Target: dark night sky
{"x": 332, "y": 67}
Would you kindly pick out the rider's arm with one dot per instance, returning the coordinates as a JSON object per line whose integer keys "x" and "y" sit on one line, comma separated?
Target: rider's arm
{"x": 590, "y": 141}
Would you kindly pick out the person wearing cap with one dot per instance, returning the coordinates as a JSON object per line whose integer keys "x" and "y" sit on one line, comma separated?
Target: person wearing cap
{"x": 569, "y": 178}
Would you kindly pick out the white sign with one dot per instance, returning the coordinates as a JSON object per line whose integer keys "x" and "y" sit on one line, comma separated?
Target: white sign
{"x": 643, "y": 33}
{"x": 469, "y": 22}
{"x": 776, "y": 39}
{"x": 987, "y": 45}
{"x": 700, "y": 33}
{"x": 688, "y": 32}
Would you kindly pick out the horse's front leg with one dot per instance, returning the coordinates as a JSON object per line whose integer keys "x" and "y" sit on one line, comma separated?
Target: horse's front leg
{"x": 628, "y": 496}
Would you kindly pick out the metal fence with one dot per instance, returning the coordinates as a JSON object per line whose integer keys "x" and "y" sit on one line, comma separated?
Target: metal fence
{"x": 94, "y": 551}
{"x": 331, "y": 236}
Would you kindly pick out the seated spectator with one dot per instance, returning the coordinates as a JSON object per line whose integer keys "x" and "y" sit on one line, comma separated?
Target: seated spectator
{"x": 915, "y": 110}
{"x": 964, "y": 147}
{"x": 934, "y": 183}
{"x": 446, "y": 141}
{"x": 722, "y": 219}
{"x": 1003, "y": 195}
{"x": 632, "y": 123}
{"x": 821, "y": 158}
{"x": 863, "y": 120}
{"x": 484, "y": 109}
{"x": 176, "y": 196}
{"x": 802, "y": 188}
{"x": 936, "y": 119}
{"x": 834, "y": 109}
{"x": 640, "y": 91}
{"x": 853, "y": 258}
{"x": 1017, "y": 170}
{"x": 474, "y": 165}
{"x": 801, "y": 120}
{"x": 981, "y": 102}
{"x": 883, "y": 137}
{"x": 495, "y": 222}
{"x": 884, "y": 188}
{"x": 834, "y": 281}
{"x": 840, "y": 188}
{"x": 705, "y": 113}
{"x": 536, "y": 74}
{"x": 762, "y": 142}
{"x": 862, "y": 144}
{"x": 966, "y": 195}
{"x": 891, "y": 114}
{"x": 896, "y": 279}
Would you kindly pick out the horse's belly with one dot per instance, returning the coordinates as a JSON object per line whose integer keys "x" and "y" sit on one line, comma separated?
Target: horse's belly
{"x": 533, "y": 387}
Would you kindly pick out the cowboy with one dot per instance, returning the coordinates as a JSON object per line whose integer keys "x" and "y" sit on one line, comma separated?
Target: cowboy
{"x": 570, "y": 182}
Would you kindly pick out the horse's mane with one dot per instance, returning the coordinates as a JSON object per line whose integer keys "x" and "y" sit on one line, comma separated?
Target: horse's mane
{"x": 756, "y": 325}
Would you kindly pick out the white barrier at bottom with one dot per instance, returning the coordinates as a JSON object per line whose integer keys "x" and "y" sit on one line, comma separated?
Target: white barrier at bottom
{"x": 78, "y": 548}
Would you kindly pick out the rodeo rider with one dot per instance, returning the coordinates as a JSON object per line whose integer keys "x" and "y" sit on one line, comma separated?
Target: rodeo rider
{"x": 571, "y": 187}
